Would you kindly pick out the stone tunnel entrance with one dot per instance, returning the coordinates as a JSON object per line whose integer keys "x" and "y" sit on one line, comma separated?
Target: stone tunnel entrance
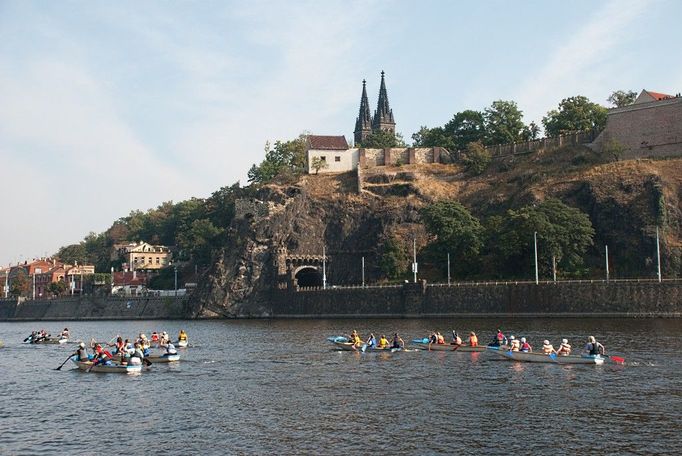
{"x": 309, "y": 277}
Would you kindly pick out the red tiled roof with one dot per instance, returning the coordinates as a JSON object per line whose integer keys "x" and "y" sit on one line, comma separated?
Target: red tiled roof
{"x": 659, "y": 96}
{"x": 327, "y": 142}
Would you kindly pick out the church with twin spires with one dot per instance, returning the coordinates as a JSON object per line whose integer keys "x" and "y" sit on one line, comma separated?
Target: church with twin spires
{"x": 365, "y": 124}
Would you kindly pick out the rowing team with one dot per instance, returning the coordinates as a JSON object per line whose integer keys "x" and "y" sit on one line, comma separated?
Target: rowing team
{"x": 125, "y": 352}
{"x": 371, "y": 342}
{"x": 37, "y": 336}
{"x": 513, "y": 344}
{"x": 438, "y": 339}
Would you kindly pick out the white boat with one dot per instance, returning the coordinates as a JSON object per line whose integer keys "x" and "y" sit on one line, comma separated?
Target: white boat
{"x": 50, "y": 340}
{"x": 579, "y": 359}
{"x": 346, "y": 346}
{"x": 448, "y": 348}
{"x": 533, "y": 357}
{"x": 182, "y": 343}
{"x": 87, "y": 366}
{"x": 163, "y": 358}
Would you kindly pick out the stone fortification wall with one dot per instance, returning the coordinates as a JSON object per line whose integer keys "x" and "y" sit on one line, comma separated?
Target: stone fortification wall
{"x": 598, "y": 298}
{"x": 651, "y": 129}
{"x": 575, "y": 138}
{"x": 94, "y": 308}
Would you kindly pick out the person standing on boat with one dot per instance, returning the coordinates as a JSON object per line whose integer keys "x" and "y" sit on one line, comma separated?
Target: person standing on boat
{"x": 525, "y": 346}
{"x": 593, "y": 347}
{"x": 514, "y": 344}
{"x": 547, "y": 348}
{"x": 564, "y": 348}
{"x": 473, "y": 339}
{"x": 398, "y": 342}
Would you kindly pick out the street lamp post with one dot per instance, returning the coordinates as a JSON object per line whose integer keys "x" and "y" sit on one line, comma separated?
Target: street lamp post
{"x": 658, "y": 255}
{"x": 363, "y": 272}
{"x": 535, "y": 245}
{"x": 175, "y": 268}
{"x": 324, "y": 267}
{"x": 448, "y": 268}
{"x": 607, "y": 262}
{"x": 414, "y": 258}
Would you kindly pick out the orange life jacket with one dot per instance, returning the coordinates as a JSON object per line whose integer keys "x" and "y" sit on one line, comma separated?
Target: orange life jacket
{"x": 473, "y": 341}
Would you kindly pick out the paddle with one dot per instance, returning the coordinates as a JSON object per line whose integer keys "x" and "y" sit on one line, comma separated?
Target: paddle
{"x": 615, "y": 359}
{"x": 62, "y": 365}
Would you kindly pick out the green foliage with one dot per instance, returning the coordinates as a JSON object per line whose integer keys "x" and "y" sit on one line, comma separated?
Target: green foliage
{"x": 199, "y": 239}
{"x": 456, "y": 231}
{"x": 382, "y": 139}
{"x": 621, "y": 98}
{"x": 531, "y": 132}
{"x": 57, "y": 288}
{"x": 503, "y": 122}
{"x": 574, "y": 114}
{"x": 73, "y": 253}
{"x": 466, "y": 127}
{"x": 284, "y": 159}
{"x": 563, "y": 232}
{"x": 393, "y": 260}
{"x": 165, "y": 280}
{"x": 476, "y": 158}
{"x": 432, "y": 137}
{"x": 20, "y": 284}
{"x": 614, "y": 149}
{"x": 317, "y": 164}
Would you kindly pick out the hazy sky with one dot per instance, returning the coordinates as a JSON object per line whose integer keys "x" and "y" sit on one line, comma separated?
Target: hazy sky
{"x": 106, "y": 107}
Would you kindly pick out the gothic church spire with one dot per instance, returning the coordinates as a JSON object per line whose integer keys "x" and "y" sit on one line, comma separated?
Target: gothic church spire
{"x": 383, "y": 116}
{"x": 363, "y": 123}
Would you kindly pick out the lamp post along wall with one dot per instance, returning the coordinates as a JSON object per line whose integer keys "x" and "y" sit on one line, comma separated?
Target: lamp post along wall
{"x": 535, "y": 245}
{"x": 658, "y": 255}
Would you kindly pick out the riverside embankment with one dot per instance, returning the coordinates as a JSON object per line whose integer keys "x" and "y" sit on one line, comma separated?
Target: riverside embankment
{"x": 410, "y": 300}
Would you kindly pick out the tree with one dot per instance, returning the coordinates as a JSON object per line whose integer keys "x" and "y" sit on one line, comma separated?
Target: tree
{"x": 317, "y": 164}
{"x": 466, "y": 127}
{"x": 20, "y": 284}
{"x": 74, "y": 253}
{"x": 285, "y": 157}
{"x": 393, "y": 260}
{"x": 455, "y": 229}
{"x": 621, "y": 98}
{"x": 531, "y": 132}
{"x": 563, "y": 232}
{"x": 574, "y": 114}
{"x": 57, "y": 288}
{"x": 503, "y": 122}
{"x": 382, "y": 139}
{"x": 476, "y": 158}
{"x": 433, "y": 137}
{"x": 198, "y": 240}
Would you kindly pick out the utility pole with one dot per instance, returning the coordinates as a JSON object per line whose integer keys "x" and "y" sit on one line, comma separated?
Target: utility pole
{"x": 607, "y": 262}
{"x": 34, "y": 284}
{"x": 363, "y": 272}
{"x": 448, "y": 268}
{"x": 324, "y": 267}
{"x": 7, "y": 283}
{"x": 535, "y": 244}
{"x": 658, "y": 255}
{"x": 414, "y": 258}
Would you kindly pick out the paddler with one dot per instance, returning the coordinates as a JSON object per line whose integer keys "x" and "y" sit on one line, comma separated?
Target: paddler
{"x": 547, "y": 348}
{"x": 155, "y": 336}
{"x": 564, "y": 348}
{"x": 65, "y": 334}
{"x": 81, "y": 354}
{"x": 440, "y": 340}
{"x": 398, "y": 342}
{"x": 525, "y": 346}
{"x": 102, "y": 356}
{"x": 514, "y": 344}
{"x": 355, "y": 339}
{"x": 593, "y": 347}
{"x": 473, "y": 339}
{"x": 383, "y": 342}
{"x": 182, "y": 337}
{"x": 371, "y": 341}
{"x": 456, "y": 340}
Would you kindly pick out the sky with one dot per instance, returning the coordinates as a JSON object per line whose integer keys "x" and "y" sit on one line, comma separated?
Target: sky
{"x": 109, "y": 107}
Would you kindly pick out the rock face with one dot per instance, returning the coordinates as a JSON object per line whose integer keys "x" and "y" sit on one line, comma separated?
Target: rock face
{"x": 276, "y": 232}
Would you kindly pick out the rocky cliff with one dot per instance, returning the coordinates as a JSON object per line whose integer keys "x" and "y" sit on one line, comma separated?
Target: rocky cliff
{"x": 284, "y": 223}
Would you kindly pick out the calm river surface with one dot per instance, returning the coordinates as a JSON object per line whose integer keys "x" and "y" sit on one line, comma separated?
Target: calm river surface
{"x": 276, "y": 387}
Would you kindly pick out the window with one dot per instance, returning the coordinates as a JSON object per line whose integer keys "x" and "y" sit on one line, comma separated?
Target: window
{"x": 323, "y": 158}
{"x": 158, "y": 260}
{"x": 337, "y": 159}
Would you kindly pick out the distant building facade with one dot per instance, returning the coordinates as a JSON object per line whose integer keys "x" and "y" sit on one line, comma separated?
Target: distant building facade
{"x": 649, "y": 127}
{"x": 142, "y": 256}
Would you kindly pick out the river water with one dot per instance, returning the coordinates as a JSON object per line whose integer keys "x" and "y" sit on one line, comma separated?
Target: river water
{"x": 276, "y": 387}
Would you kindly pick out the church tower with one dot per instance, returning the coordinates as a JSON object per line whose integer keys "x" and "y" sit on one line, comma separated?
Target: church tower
{"x": 383, "y": 116}
{"x": 363, "y": 124}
